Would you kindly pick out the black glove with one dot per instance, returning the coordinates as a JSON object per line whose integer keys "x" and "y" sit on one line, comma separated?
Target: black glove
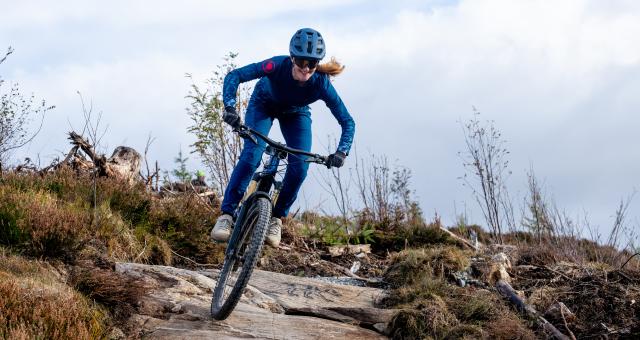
{"x": 231, "y": 117}
{"x": 336, "y": 159}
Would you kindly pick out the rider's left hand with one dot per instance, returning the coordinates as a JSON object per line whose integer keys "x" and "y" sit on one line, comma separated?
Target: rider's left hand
{"x": 336, "y": 159}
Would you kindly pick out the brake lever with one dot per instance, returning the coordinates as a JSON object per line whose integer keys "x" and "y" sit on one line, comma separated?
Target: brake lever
{"x": 244, "y": 132}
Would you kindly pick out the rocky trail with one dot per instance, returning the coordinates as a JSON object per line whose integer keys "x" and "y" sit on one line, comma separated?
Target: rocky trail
{"x": 274, "y": 306}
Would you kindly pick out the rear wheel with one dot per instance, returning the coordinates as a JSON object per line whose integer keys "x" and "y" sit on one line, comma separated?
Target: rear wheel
{"x": 237, "y": 267}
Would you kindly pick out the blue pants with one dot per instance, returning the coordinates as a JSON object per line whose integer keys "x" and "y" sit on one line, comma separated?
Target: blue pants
{"x": 296, "y": 129}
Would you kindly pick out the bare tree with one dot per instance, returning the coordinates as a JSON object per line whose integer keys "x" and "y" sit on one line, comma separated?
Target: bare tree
{"x": 385, "y": 191}
{"x": 215, "y": 143}
{"x": 373, "y": 180}
{"x": 92, "y": 128}
{"x": 485, "y": 160}
{"x": 16, "y": 113}
{"x": 620, "y": 224}
{"x": 337, "y": 185}
{"x": 382, "y": 192}
{"x": 149, "y": 176}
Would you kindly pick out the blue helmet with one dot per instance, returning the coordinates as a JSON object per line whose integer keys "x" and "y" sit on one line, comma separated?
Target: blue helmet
{"x": 307, "y": 43}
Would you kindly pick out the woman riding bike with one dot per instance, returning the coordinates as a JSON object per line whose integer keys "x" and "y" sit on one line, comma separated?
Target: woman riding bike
{"x": 287, "y": 85}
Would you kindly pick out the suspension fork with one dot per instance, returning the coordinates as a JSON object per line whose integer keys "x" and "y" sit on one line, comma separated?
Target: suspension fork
{"x": 239, "y": 233}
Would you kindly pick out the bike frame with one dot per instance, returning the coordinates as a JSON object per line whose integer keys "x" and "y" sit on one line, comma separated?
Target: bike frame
{"x": 265, "y": 180}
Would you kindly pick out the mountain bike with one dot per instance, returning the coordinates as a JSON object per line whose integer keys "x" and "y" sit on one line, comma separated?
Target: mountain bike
{"x": 251, "y": 224}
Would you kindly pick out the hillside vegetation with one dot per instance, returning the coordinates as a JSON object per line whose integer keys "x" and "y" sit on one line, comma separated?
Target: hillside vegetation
{"x": 59, "y": 242}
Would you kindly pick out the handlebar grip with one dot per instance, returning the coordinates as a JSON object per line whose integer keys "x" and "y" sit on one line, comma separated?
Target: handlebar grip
{"x": 317, "y": 159}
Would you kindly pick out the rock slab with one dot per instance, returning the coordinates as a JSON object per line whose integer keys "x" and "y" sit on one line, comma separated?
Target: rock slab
{"x": 274, "y": 306}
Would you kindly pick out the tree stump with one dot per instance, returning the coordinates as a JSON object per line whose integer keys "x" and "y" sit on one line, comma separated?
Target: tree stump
{"x": 124, "y": 163}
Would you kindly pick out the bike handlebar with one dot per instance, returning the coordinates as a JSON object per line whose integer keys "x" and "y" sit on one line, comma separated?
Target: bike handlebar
{"x": 245, "y": 131}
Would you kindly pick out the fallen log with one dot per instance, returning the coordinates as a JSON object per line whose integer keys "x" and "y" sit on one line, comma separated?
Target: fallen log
{"x": 505, "y": 289}
{"x": 123, "y": 163}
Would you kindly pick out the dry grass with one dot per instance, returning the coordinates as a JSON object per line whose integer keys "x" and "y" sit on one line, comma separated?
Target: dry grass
{"x": 434, "y": 308}
{"x": 30, "y": 305}
{"x": 116, "y": 238}
{"x": 508, "y": 326}
{"x": 430, "y": 320}
{"x": 412, "y": 265}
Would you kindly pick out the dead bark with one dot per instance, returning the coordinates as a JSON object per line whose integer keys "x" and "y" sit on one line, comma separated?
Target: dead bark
{"x": 98, "y": 160}
{"x": 459, "y": 239}
{"x": 505, "y": 289}
{"x": 123, "y": 163}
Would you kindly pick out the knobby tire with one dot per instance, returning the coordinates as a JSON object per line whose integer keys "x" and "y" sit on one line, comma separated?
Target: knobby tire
{"x": 257, "y": 222}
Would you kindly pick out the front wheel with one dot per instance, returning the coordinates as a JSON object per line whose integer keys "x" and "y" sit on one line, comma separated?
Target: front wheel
{"x": 238, "y": 265}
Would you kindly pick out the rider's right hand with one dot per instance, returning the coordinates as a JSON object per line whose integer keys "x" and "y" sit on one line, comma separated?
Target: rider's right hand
{"x": 336, "y": 159}
{"x": 231, "y": 117}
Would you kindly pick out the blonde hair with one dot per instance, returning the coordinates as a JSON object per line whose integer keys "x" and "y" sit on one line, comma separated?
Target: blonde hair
{"x": 331, "y": 68}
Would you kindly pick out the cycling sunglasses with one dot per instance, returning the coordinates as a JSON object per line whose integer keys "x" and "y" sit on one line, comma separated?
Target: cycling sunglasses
{"x": 302, "y": 63}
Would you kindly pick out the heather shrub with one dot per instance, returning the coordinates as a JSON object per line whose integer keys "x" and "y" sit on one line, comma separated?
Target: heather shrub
{"x": 132, "y": 202}
{"x": 184, "y": 222}
{"x": 63, "y": 184}
{"x": 39, "y": 225}
{"x": 116, "y": 291}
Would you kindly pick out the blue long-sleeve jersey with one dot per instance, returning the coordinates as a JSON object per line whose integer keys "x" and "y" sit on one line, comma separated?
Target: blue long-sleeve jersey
{"x": 278, "y": 92}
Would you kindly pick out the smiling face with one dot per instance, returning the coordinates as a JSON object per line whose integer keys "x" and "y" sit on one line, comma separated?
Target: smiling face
{"x": 302, "y": 74}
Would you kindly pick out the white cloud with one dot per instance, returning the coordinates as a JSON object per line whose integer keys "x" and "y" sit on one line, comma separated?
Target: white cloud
{"x": 559, "y": 79}
{"x": 136, "y": 13}
{"x": 541, "y": 70}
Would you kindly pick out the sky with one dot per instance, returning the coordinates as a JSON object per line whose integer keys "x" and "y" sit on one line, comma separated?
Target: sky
{"x": 560, "y": 80}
